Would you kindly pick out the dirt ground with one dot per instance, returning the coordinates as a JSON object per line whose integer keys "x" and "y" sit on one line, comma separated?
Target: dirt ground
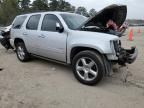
{"x": 44, "y": 84}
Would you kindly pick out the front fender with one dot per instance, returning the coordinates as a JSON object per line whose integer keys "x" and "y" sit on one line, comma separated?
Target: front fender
{"x": 101, "y": 48}
{"x": 98, "y": 41}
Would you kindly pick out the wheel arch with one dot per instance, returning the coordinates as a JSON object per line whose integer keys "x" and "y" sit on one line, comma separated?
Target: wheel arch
{"x": 77, "y": 49}
{"x": 16, "y": 40}
{"x": 107, "y": 64}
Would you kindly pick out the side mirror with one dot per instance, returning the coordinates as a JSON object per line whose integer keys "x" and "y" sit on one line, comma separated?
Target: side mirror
{"x": 59, "y": 28}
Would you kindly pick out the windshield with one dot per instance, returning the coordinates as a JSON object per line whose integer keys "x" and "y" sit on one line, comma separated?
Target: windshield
{"x": 73, "y": 20}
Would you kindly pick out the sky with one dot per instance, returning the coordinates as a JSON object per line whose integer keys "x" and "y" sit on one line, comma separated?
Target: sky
{"x": 135, "y": 7}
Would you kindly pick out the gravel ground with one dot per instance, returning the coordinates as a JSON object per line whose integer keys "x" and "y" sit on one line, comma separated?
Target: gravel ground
{"x": 44, "y": 84}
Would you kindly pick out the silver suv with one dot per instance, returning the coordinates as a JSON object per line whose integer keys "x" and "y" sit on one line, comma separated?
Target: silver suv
{"x": 84, "y": 43}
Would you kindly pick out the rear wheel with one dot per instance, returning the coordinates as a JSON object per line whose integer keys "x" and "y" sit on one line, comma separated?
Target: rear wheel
{"x": 21, "y": 52}
{"x": 88, "y": 67}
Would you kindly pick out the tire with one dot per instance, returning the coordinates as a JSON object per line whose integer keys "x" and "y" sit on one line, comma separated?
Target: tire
{"x": 21, "y": 52}
{"x": 88, "y": 67}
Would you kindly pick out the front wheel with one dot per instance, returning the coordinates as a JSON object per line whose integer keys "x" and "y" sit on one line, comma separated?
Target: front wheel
{"x": 88, "y": 67}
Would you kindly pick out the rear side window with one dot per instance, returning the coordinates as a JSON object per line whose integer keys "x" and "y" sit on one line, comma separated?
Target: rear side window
{"x": 18, "y": 22}
{"x": 33, "y": 22}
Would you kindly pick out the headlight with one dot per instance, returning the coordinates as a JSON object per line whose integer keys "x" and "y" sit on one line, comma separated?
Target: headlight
{"x": 117, "y": 46}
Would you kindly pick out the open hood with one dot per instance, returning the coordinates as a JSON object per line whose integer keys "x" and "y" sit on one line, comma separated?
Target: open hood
{"x": 117, "y": 13}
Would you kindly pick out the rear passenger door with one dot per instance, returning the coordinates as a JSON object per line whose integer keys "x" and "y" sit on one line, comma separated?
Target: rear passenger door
{"x": 30, "y": 33}
{"x": 52, "y": 44}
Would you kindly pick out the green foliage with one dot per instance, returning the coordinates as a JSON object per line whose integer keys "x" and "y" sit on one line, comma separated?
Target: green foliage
{"x": 82, "y": 11}
{"x": 61, "y": 5}
{"x": 24, "y": 4}
{"x": 40, "y": 5}
{"x": 53, "y": 5}
{"x": 92, "y": 12}
{"x": 10, "y": 8}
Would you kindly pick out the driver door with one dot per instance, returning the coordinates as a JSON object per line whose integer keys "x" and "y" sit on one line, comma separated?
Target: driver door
{"x": 52, "y": 44}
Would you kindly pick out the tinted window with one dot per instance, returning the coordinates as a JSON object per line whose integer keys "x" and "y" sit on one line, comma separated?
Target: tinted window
{"x": 33, "y": 22}
{"x": 49, "y": 23}
{"x": 18, "y": 22}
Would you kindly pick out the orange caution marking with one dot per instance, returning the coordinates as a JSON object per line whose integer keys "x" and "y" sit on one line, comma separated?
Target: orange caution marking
{"x": 131, "y": 35}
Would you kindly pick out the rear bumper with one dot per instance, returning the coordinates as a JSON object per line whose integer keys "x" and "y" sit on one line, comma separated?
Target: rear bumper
{"x": 127, "y": 56}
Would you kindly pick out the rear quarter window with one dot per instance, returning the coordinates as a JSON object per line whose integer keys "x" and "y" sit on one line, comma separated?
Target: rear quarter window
{"x": 18, "y": 22}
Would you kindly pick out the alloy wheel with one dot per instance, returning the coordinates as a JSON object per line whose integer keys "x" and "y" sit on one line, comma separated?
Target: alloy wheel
{"x": 86, "y": 68}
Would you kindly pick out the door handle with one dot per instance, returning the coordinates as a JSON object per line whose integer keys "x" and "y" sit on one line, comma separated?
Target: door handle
{"x": 25, "y": 34}
{"x": 41, "y": 36}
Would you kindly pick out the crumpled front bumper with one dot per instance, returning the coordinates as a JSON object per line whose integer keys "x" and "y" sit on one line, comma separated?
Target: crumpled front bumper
{"x": 1, "y": 37}
{"x": 127, "y": 56}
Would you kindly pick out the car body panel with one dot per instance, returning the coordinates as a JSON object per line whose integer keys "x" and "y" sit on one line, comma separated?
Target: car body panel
{"x": 117, "y": 13}
{"x": 51, "y": 44}
{"x": 91, "y": 40}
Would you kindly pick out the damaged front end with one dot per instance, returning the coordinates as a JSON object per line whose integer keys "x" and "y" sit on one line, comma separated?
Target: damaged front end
{"x": 98, "y": 23}
{"x": 125, "y": 55}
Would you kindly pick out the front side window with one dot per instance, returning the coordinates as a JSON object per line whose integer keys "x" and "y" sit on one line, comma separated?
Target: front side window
{"x": 49, "y": 23}
{"x": 33, "y": 22}
{"x": 18, "y": 22}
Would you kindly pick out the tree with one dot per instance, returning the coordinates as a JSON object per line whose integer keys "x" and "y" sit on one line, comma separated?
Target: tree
{"x": 64, "y": 6}
{"x": 39, "y": 5}
{"x": 82, "y": 11}
{"x": 92, "y": 12}
{"x": 68, "y": 7}
{"x": 53, "y": 5}
{"x": 8, "y": 10}
{"x": 24, "y": 4}
{"x": 1, "y": 1}
{"x": 73, "y": 8}
{"x": 61, "y": 5}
